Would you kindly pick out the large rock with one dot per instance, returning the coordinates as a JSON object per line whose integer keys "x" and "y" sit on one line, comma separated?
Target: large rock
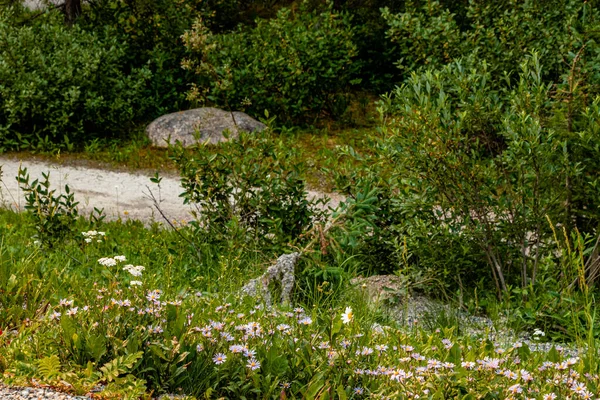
{"x": 200, "y": 125}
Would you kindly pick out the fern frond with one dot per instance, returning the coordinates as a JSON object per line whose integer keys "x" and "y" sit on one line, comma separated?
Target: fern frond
{"x": 49, "y": 367}
{"x": 120, "y": 365}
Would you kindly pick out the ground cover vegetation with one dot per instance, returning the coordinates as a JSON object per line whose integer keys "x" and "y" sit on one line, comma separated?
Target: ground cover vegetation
{"x": 477, "y": 182}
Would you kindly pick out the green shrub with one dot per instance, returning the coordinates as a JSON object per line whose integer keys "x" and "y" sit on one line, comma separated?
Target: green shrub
{"x": 61, "y": 86}
{"x": 501, "y": 32}
{"x": 151, "y": 30}
{"x": 289, "y": 65}
{"x": 486, "y": 166}
{"x": 428, "y": 35}
{"x": 249, "y": 187}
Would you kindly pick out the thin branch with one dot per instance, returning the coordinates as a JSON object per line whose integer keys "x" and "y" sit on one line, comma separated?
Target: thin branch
{"x": 156, "y": 204}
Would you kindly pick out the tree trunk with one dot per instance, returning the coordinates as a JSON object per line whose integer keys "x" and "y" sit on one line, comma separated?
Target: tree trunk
{"x": 72, "y": 11}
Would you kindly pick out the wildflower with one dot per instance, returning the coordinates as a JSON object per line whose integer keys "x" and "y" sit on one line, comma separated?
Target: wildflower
{"x": 348, "y": 315}
{"x": 447, "y": 343}
{"x": 55, "y": 315}
{"x": 365, "y": 351}
{"x": 526, "y": 376}
{"x": 134, "y": 270}
{"x": 305, "y": 321}
{"x": 358, "y": 390}
{"x": 236, "y": 348}
{"x": 586, "y": 395}
{"x": 249, "y": 353}
{"x": 253, "y": 364}
{"x": 199, "y": 348}
{"x": 285, "y": 385}
{"x": 515, "y": 389}
{"x": 538, "y": 333}
{"x": 135, "y": 283}
{"x": 107, "y": 261}
{"x": 72, "y": 311}
{"x": 65, "y": 303}
{"x": 381, "y": 348}
{"x": 509, "y": 374}
{"x": 155, "y": 329}
{"x": 467, "y": 364}
{"x": 219, "y": 358}
{"x": 578, "y": 387}
{"x": 120, "y": 258}
{"x": 153, "y": 295}
{"x": 345, "y": 343}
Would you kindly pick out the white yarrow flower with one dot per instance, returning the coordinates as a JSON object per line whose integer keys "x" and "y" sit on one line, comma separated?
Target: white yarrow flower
{"x": 107, "y": 261}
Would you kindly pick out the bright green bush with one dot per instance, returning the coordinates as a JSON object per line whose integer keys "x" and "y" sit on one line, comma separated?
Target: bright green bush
{"x": 290, "y": 65}
{"x": 60, "y": 86}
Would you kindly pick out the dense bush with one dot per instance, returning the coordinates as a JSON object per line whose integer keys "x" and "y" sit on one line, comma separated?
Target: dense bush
{"x": 502, "y": 33}
{"x": 60, "y": 86}
{"x": 151, "y": 30}
{"x": 487, "y": 168}
{"x": 291, "y": 65}
{"x": 249, "y": 188}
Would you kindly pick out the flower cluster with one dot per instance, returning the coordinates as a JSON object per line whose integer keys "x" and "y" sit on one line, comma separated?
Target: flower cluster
{"x": 90, "y": 236}
{"x": 111, "y": 261}
{"x": 369, "y": 360}
{"x": 134, "y": 270}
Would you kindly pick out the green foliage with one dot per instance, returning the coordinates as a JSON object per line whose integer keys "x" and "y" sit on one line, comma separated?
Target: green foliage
{"x": 428, "y": 35}
{"x": 62, "y": 86}
{"x": 250, "y": 187}
{"x": 54, "y": 214}
{"x": 150, "y": 30}
{"x": 486, "y": 165}
{"x": 49, "y": 367}
{"x": 119, "y": 366}
{"x": 500, "y": 33}
{"x": 95, "y": 327}
{"x": 290, "y": 65}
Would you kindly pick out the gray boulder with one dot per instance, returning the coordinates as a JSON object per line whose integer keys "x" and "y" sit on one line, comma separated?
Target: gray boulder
{"x": 200, "y": 125}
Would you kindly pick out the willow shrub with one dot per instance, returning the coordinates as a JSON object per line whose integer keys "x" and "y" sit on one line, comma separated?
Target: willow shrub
{"x": 62, "y": 85}
{"x": 292, "y": 65}
{"x": 502, "y": 33}
{"x": 487, "y": 168}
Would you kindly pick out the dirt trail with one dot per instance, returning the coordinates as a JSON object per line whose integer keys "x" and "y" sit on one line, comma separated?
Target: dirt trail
{"x": 122, "y": 195}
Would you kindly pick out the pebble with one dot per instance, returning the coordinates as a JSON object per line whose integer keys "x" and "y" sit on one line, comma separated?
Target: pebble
{"x": 19, "y": 393}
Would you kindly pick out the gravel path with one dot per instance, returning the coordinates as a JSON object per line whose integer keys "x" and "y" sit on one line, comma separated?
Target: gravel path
{"x": 122, "y": 195}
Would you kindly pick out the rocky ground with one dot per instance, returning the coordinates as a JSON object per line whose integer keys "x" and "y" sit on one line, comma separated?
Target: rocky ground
{"x": 21, "y": 393}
